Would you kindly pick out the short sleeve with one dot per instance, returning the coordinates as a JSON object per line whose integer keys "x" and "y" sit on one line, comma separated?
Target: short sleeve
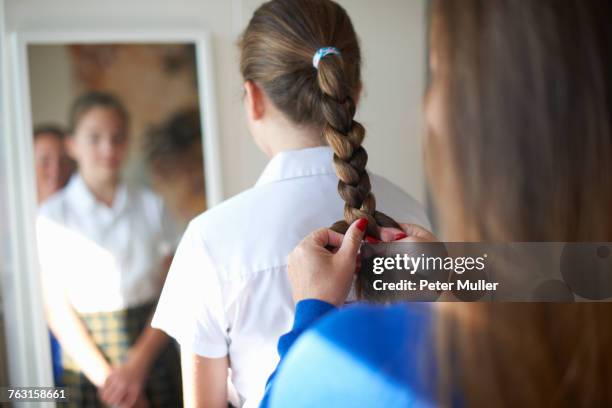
{"x": 191, "y": 307}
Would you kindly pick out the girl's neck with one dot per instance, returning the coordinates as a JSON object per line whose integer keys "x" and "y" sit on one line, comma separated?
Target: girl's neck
{"x": 103, "y": 190}
{"x": 293, "y": 145}
{"x": 283, "y": 137}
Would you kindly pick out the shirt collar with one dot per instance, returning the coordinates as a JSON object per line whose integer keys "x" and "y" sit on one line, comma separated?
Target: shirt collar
{"x": 80, "y": 195}
{"x": 290, "y": 164}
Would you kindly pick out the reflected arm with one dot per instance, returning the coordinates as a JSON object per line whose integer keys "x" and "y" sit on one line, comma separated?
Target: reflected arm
{"x": 151, "y": 341}
{"x": 75, "y": 339}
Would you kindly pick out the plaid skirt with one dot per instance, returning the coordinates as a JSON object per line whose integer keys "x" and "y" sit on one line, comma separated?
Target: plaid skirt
{"x": 115, "y": 333}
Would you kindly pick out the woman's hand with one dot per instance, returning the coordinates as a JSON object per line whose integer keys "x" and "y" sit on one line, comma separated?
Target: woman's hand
{"x": 408, "y": 233}
{"x": 316, "y": 272}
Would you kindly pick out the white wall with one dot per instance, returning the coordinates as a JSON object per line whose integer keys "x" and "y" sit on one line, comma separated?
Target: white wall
{"x": 392, "y": 36}
{"x": 42, "y": 61}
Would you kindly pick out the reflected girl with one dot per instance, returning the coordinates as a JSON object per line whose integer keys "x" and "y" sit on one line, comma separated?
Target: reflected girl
{"x": 103, "y": 279}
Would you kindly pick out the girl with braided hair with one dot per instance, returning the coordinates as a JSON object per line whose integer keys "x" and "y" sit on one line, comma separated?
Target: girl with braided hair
{"x": 227, "y": 297}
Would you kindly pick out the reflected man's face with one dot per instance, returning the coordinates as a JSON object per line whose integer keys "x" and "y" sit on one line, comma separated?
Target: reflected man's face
{"x": 52, "y": 164}
{"x": 99, "y": 144}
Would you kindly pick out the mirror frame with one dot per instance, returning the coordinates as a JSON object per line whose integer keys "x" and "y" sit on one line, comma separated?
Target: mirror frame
{"x": 26, "y": 330}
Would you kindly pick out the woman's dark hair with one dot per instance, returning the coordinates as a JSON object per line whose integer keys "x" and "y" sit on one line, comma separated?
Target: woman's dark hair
{"x": 277, "y": 49}
{"x": 95, "y": 99}
{"x": 527, "y": 105}
{"x": 49, "y": 129}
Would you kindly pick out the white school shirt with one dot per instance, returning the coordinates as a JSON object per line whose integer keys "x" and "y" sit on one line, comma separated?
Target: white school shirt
{"x": 104, "y": 259}
{"x": 227, "y": 292}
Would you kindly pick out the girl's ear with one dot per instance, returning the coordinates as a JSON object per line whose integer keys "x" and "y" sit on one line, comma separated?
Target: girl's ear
{"x": 254, "y": 101}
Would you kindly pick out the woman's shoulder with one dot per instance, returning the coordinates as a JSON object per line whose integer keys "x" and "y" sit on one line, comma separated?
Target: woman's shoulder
{"x": 373, "y": 322}
{"x": 362, "y": 355}
{"x": 417, "y": 313}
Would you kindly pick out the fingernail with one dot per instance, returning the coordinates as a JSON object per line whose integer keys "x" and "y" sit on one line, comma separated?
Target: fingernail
{"x": 372, "y": 240}
{"x": 362, "y": 224}
{"x": 399, "y": 236}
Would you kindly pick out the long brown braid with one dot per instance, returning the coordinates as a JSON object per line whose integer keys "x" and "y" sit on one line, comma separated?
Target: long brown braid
{"x": 345, "y": 136}
{"x": 277, "y": 48}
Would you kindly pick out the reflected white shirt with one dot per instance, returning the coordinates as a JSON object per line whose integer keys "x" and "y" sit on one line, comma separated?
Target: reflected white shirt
{"x": 104, "y": 259}
{"x": 227, "y": 291}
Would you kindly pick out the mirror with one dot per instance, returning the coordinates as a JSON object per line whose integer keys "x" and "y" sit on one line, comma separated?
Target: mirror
{"x": 124, "y": 155}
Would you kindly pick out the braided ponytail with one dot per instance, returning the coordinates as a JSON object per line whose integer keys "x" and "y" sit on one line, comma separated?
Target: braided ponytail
{"x": 277, "y": 51}
{"x": 345, "y": 136}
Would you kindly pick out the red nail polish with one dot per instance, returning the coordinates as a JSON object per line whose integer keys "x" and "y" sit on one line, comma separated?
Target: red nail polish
{"x": 362, "y": 224}
{"x": 399, "y": 236}
{"x": 372, "y": 240}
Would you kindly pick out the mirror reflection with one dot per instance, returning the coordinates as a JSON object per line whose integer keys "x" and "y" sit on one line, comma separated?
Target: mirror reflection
{"x": 119, "y": 171}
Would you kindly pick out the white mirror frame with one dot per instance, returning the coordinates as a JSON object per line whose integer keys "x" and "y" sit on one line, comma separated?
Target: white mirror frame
{"x": 26, "y": 331}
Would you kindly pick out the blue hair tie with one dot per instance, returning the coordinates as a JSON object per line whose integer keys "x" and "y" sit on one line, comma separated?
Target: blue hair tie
{"x": 322, "y": 52}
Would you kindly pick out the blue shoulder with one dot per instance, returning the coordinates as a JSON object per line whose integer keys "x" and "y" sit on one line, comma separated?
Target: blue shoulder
{"x": 378, "y": 334}
{"x": 362, "y": 355}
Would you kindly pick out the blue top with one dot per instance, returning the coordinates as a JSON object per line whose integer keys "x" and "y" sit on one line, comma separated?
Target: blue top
{"x": 362, "y": 355}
